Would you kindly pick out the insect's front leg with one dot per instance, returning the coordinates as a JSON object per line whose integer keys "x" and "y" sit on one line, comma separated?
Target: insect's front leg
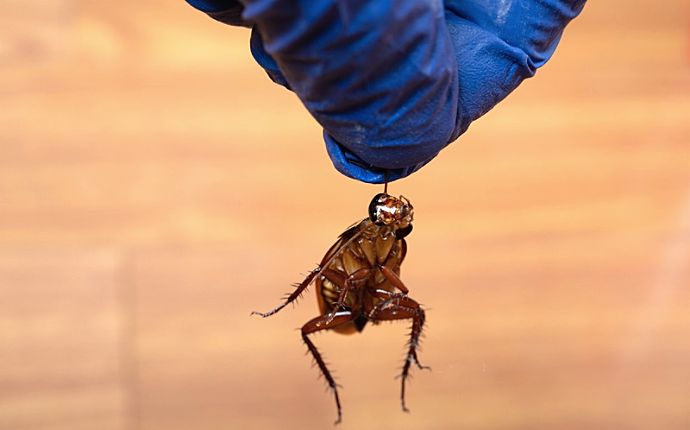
{"x": 345, "y": 284}
{"x": 299, "y": 289}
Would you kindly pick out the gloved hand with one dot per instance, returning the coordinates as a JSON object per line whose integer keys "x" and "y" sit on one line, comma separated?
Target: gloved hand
{"x": 392, "y": 82}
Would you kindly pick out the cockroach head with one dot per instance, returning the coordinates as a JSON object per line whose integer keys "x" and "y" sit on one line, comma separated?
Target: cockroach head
{"x": 395, "y": 212}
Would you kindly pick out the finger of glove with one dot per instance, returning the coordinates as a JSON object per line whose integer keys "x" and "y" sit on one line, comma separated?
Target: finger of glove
{"x": 379, "y": 76}
{"x": 533, "y": 26}
{"x": 498, "y": 44}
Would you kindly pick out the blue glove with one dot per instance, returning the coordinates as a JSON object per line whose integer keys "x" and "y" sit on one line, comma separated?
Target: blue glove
{"x": 392, "y": 82}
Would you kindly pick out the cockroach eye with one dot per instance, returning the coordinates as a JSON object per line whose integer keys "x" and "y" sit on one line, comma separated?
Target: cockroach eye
{"x": 374, "y": 208}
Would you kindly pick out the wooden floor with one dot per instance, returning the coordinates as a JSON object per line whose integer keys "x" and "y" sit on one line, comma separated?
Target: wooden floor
{"x": 155, "y": 188}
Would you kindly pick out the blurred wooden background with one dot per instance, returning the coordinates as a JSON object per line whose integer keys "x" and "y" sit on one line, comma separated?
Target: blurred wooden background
{"x": 155, "y": 188}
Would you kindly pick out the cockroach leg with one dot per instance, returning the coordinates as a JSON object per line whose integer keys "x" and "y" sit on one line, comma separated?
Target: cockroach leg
{"x": 387, "y": 297}
{"x": 299, "y": 289}
{"x": 393, "y": 279}
{"x": 356, "y": 278}
{"x": 337, "y": 277}
{"x": 321, "y": 323}
{"x": 406, "y": 308}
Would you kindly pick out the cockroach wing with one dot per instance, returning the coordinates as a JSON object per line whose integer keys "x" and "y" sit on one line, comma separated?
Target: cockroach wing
{"x": 344, "y": 240}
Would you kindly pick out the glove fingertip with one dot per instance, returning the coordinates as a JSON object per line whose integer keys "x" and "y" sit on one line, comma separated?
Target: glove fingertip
{"x": 352, "y": 166}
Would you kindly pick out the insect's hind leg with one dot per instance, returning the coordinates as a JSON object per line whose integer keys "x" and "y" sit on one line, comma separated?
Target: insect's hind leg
{"x": 299, "y": 289}
{"x": 319, "y": 323}
{"x": 405, "y": 308}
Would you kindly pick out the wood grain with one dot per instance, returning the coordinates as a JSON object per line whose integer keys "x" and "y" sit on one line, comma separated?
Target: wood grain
{"x": 61, "y": 361}
{"x": 155, "y": 188}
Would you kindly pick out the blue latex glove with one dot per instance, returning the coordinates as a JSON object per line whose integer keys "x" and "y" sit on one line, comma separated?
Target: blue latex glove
{"x": 392, "y": 82}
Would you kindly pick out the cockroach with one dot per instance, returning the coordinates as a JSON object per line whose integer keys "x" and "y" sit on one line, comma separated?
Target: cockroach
{"x": 358, "y": 281}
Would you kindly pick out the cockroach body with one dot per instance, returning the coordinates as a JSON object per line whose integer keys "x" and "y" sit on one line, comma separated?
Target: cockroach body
{"x": 358, "y": 281}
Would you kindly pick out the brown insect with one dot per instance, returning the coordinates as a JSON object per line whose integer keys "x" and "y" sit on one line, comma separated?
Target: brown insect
{"x": 358, "y": 281}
